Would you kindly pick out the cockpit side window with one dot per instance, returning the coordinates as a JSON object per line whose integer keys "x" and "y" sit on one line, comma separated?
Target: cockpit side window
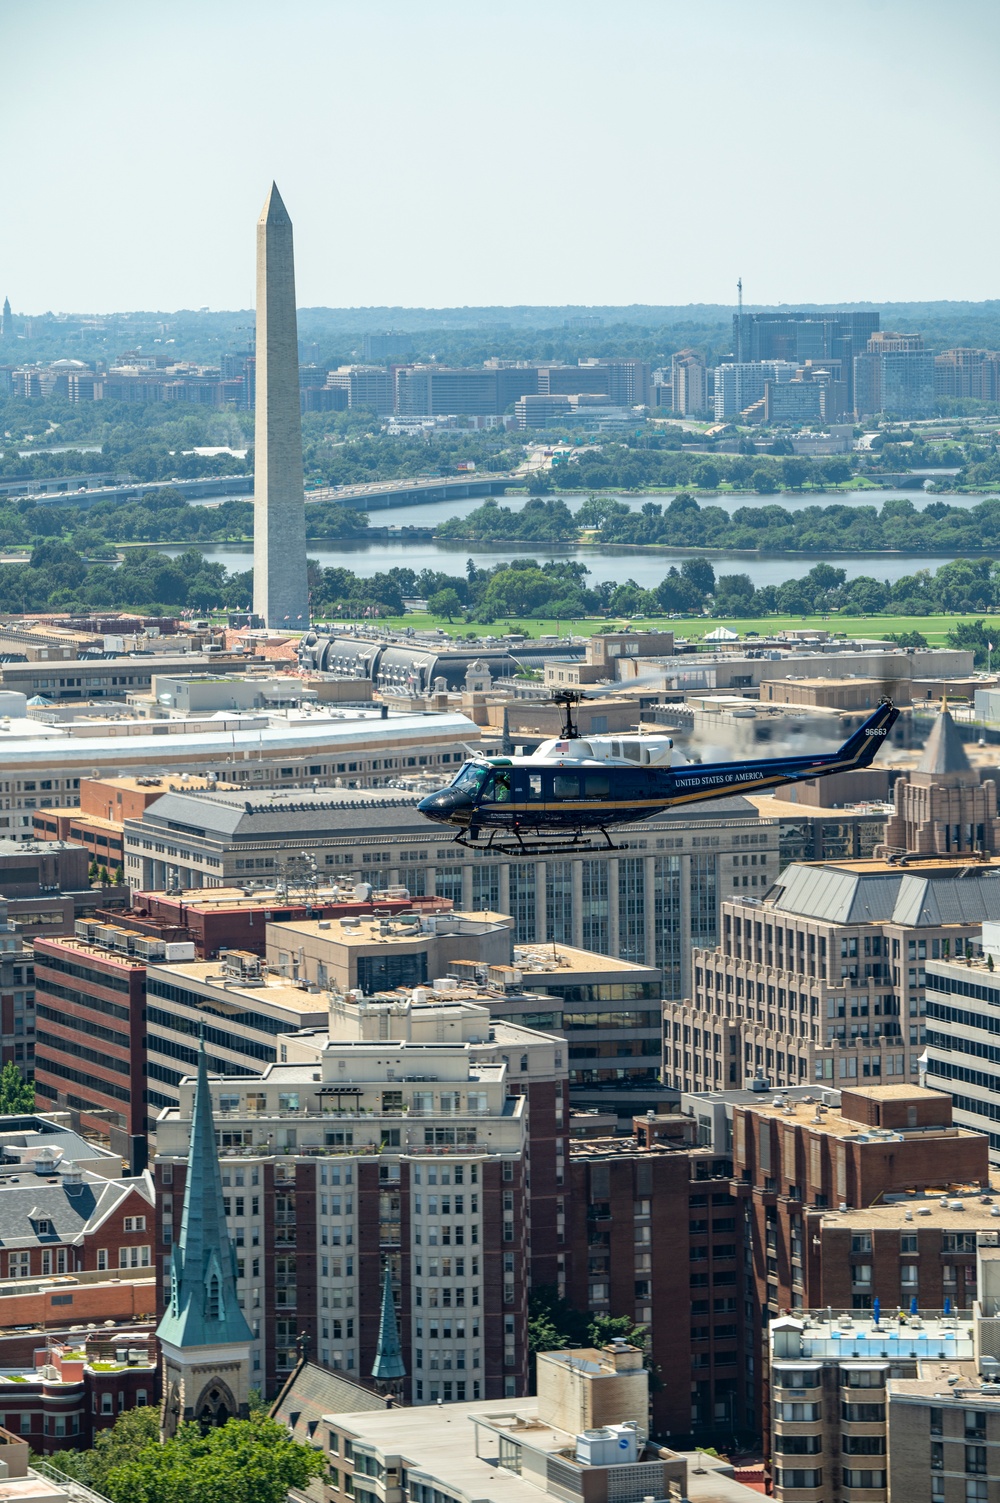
{"x": 471, "y": 778}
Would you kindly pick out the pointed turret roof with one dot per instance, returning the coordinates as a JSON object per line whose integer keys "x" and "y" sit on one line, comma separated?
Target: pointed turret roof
{"x": 274, "y": 211}
{"x": 203, "y": 1309}
{"x": 944, "y": 752}
{"x": 388, "y": 1363}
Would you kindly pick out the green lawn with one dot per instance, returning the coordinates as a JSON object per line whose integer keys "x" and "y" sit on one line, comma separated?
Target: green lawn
{"x": 934, "y": 628}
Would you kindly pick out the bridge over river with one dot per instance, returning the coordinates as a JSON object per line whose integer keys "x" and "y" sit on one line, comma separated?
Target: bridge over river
{"x": 378, "y": 495}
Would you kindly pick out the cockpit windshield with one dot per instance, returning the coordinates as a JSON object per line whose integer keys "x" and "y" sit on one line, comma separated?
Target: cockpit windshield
{"x": 471, "y": 779}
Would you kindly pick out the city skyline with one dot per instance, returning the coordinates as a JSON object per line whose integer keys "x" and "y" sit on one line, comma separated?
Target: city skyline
{"x": 525, "y": 227}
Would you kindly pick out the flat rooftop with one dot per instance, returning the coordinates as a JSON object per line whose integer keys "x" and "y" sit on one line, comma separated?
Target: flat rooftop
{"x": 956, "y": 1207}
{"x": 445, "y": 1446}
{"x": 745, "y": 1097}
{"x": 227, "y": 899}
{"x": 624, "y": 1148}
{"x": 188, "y": 782}
{"x": 393, "y": 930}
{"x": 222, "y": 990}
{"x": 556, "y": 960}
{"x": 93, "y": 952}
{"x": 772, "y": 806}
{"x": 853, "y": 1335}
{"x": 936, "y": 1381}
{"x": 832, "y": 1123}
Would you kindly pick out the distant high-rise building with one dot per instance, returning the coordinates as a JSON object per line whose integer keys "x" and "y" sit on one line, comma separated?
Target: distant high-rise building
{"x": 967, "y": 373}
{"x": 628, "y": 381}
{"x": 804, "y": 336}
{"x": 570, "y": 380}
{"x": 6, "y": 320}
{"x": 281, "y": 595}
{"x": 232, "y": 365}
{"x": 739, "y": 384}
{"x": 907, "y": 380}
{"x": 435, "y": 390}
{"x": 387, "y": 346}
{"x": 894, "y": 375}
{"x": 690, "y": 383}
{"x": 867, "y": 372}
{"x": 799, "y": 336}
{"x": 366, "y": 386}
{"x": 888, "y": 342}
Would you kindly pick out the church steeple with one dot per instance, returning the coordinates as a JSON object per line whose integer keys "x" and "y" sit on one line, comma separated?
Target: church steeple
{"x": 388, "y": 1368}
{"x": 203, "y": 1315}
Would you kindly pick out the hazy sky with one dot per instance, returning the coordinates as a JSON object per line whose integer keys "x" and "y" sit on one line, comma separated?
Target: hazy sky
{"x": 535, "y": 151}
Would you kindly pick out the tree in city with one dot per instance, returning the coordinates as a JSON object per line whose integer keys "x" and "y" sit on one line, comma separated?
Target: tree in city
{"x": 133, "y": 1430}
{"x": 445, "y": 603}
{"x": 16, "y": 1093}
{"x": 244, "y": 1461}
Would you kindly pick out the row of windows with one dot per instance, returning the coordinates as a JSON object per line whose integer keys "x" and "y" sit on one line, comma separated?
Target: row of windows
{"x": 179, "y": 994}
{"x": 81, "y": 1078}
{"x": 945, "y": 1014}
{"x": 92, "y": 1056}
{"x": 220, "y": 1037}
{"x": 106, "y": 979}
{"x": 957, "y": 986}
{"x": 84, "y": 1025}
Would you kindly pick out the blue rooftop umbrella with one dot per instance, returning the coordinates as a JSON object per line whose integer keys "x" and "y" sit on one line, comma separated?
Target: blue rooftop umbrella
{"x": 876, "y": 1309}
{"x": 913, "y": 1305}
{"x": 947, "y": 1305}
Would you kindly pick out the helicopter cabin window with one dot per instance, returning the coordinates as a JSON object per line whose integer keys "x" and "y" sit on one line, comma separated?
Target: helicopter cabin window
{"x": 596, "y": 785}
{"x": 566, "y": 785}
{"x": 499, "y": 791}
{"x": 533, "y": 789}
{"x": 632, "y": 750}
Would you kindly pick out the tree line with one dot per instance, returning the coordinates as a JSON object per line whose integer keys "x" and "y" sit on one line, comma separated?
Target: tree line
{"x": 57, "y": 577}
{"x": 684, "y": 522}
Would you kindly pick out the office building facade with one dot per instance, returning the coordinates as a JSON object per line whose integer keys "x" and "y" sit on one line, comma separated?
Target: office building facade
{"x": 825, "y": 980}
{"x": 650, "y": 904}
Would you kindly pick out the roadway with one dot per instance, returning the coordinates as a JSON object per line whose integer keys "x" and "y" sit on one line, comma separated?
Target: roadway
{"x": 378, "y": 495}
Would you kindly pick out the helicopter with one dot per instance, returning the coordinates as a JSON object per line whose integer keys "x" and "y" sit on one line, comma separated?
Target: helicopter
{"x": 573, "y": 788}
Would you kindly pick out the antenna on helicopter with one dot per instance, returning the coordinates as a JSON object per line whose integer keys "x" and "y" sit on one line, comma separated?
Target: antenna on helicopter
{"x": 568, "y": 699}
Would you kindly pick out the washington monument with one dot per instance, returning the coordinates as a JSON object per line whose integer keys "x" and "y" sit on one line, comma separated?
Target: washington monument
{"x": 280, "y": 592}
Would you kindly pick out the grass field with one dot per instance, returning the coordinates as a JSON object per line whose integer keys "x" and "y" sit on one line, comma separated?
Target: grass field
{"x": 934, "y": 628}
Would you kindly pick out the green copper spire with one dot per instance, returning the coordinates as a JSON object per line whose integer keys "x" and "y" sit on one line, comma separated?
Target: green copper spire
{"x": 203, "y": 1309}
{"x": 388, "y": 1364}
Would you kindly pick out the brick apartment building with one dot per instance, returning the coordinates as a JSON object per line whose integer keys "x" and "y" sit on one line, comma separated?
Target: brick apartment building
{"x": 90, "y": 1047}
{"x": 653, "y": 1233}
{"x": 824, "y": 1191}
{"x": 63, "y": 1388}
{"x": 407, "y": 1155}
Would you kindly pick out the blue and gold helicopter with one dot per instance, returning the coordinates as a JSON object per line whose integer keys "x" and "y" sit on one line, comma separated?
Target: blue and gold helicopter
{"x": 574, "y": 787}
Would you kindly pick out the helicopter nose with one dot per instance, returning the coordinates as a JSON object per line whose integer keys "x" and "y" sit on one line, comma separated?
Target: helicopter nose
{"x": 447, "y": 807}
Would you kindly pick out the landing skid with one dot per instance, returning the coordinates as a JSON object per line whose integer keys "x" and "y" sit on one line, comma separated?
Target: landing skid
{"x": 538, "y": 845}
